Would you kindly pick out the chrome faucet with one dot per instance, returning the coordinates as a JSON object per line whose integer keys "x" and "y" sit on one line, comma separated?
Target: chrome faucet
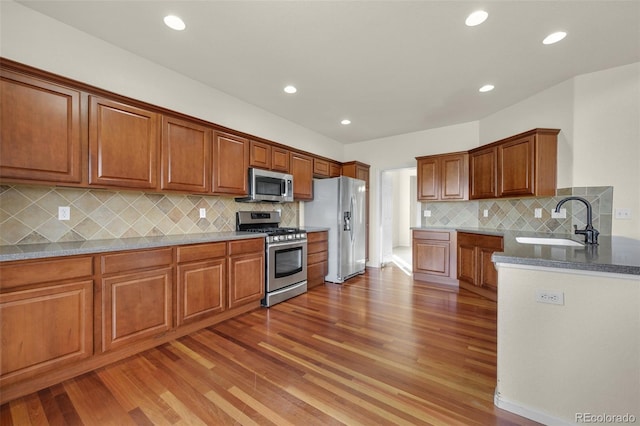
{"x": 590, "y": 233}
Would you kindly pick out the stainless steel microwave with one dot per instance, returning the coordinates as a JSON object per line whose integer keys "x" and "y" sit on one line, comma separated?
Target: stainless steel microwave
{"x": 268, "y": 186}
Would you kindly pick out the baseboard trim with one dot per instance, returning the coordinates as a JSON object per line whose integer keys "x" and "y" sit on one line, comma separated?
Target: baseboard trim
{"x": 528, "y": 412}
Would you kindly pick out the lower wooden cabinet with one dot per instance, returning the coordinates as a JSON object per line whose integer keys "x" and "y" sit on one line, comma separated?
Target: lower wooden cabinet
{"x": 201, "y": 283}
{"x": 476, "y": 271}
{"x": 317, "y": 257}
{"x": 434, "y": 256}
{"x": 246, "y": 271}
{"x": 46, "y": 316}
{"x": 137, "y": 295}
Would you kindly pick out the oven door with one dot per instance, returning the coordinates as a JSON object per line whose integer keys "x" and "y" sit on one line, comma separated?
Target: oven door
{"x": 286, "y": 264}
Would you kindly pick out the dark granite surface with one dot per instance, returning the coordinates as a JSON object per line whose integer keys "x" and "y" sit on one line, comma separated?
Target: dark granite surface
{"x": 613, "y": 254}
{"x": 35, "y": 251}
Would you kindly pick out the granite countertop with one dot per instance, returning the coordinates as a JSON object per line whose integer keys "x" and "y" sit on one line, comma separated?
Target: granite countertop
{"x": 36, "y": 251}
{"x": 613, "y": 254}
{"x": 314, "y": 228}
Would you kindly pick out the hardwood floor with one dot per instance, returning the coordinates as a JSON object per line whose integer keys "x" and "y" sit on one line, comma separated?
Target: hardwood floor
{"x": 379, "y": 349}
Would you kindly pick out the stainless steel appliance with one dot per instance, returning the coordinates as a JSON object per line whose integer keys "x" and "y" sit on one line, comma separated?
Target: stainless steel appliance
{"x": 339, "y": 204}
{"x": 286, "y": 255}
{"x": 265, "y": 185}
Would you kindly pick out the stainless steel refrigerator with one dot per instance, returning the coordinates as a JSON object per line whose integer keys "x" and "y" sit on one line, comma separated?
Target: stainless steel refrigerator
{"x": 339, "y": 204}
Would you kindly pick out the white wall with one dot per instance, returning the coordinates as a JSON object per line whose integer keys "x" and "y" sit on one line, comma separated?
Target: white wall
{"x": 555, "y": 361}
{"x": 34, "y": 39}
{"x": 402, "y": 197}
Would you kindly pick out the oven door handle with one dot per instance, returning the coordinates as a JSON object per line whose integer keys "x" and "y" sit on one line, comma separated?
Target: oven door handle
{"x": 286, "y": 243}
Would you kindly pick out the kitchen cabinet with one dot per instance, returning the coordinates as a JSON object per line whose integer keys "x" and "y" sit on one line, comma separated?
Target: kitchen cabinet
{"x": 521, "y": 165}
{"x": 302, "y": 171}
{"x": 360, "y": 171}
{"x": 246, "y": 271}
{"x": 317, "y": 257}
{"x": 46, "y": 316}
{"x": 280, "y": 159}
{"x": 320, "y": 168}
{"x": 40, "y": 135}
{"x": 230, "y": 164}
{"x": 185, "y": 156}
{"x": 123, "y": 145}
{"x": 434, "y": 256}
{"x": 476, "y": 271}
{"x": 335, "y": 169}
{"x": 483, "y": 173}
{"x": 443, "y": 177}
{"x": 260, "y": 155}
{"x": 201, "y": 281}
{"x": 137, "y": 294}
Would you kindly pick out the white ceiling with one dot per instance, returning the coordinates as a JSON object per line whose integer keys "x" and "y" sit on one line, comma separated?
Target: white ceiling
{"x": 391, "y": 67}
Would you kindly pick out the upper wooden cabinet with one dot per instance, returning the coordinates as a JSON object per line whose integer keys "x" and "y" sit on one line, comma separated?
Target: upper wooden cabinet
{"x": 521, "y": 165}
{"x": 321, "y": 167}
{"x": 259, "y": 155}
{"x": 230, "y": 164}
{"x": 302, "y": 171}
{"x": 280, "y": 159}
{"x": 40, "y": 138}
{"x": 443, "y": 177}
{"x": 123, "y": 145}
{"x": 483, "y": 173}
{"x": 335, "y": 170}
{"x": 186, "y": 156}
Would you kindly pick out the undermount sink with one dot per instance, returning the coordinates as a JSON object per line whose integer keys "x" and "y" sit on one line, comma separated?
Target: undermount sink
{"x": 549, "y": 241}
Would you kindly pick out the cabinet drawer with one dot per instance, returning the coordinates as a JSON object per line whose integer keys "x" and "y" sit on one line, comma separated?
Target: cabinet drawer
{"x": 316, "y": 247}
{"x": 432, "y": 235}
{"x": 129, "y": 261}
{"x": 313, "y": 237}
{"x": 317, "y": 257}
{"x": 201, "y": 252}
{"x": 42, "y": 271}
{"x": 246, "y": 246}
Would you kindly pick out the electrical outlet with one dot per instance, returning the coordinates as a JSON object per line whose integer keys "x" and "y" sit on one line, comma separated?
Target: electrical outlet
{"x": 550, "y": 296}
{"x": 561, "y": 215}
{"x": 203, "y": 213}
{"x": 427, "y": 213}
{"x": 537, "y": 213}
{"x": 485, "y": 213}
{"x": 624, "y": 214}
{"x": 64, "y": 213}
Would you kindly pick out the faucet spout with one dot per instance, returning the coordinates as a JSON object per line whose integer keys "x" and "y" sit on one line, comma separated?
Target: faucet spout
{"x": 590, "y": 233}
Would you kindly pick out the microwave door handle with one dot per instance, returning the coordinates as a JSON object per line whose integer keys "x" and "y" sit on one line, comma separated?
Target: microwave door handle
{"x": 283, "y": 187}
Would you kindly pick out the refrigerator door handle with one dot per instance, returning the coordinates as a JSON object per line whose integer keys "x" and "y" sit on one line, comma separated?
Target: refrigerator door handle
{"x": 352, "y": 213}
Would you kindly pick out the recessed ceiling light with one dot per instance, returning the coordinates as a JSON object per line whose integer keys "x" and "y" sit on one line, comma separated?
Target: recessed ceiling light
{"x": 290, "y": 89}
{"x": 486, "y": 88}
{"x": 554, "y": 37}
{"x": 345, "y": 122}
{"x": 476, "y": 18}
{"x": 174, "y": 22}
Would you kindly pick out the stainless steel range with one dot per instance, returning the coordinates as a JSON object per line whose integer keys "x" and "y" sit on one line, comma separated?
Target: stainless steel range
{"x": 286, "y": 255}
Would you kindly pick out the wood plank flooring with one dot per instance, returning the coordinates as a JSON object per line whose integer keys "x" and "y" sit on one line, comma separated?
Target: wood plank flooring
{"x": 379, "y": 349}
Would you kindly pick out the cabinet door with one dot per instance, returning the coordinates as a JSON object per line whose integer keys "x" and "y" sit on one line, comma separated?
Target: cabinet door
{"x": 302, "y": 171}
{"x": 483, "y": 173}
{"x": 246, "y": 278}
{"x": 123, "y": 145}
{"x": 320, "y": 167}
{"x": 431, "y": 257}
{"x": 260, "y": 155}
{"x": 44, "y": 328}
{"x": 186, "y": 156}
{"x": 454, "y": 182}
{"x": 467, "y": 262}
{"x": 488, "y": 275}
{"x": 135, "y": 306}
{"x": 516, "y": 166}
{"x": 280, "y": 159}
{"x": 40, "y": 132}
{"x": 428, "y": 179}
{"x": 230, "y": 164}
{"x": 335, "y": 170}
{"x": 201, "y": 290}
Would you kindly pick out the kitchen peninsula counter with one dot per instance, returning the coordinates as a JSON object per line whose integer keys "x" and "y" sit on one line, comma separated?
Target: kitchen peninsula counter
{"x": 613, "y": 254}
{"x": 73, "y": 248}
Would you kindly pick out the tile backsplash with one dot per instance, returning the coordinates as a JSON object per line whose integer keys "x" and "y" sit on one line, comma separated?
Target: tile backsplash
{"x": 29, "y": 214}
{"x": 518, "y": 213}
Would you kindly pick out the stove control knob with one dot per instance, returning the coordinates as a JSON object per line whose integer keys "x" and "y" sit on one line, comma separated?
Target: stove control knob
{"x": 290, "y": 237}
{"x": 276, "y": 238}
